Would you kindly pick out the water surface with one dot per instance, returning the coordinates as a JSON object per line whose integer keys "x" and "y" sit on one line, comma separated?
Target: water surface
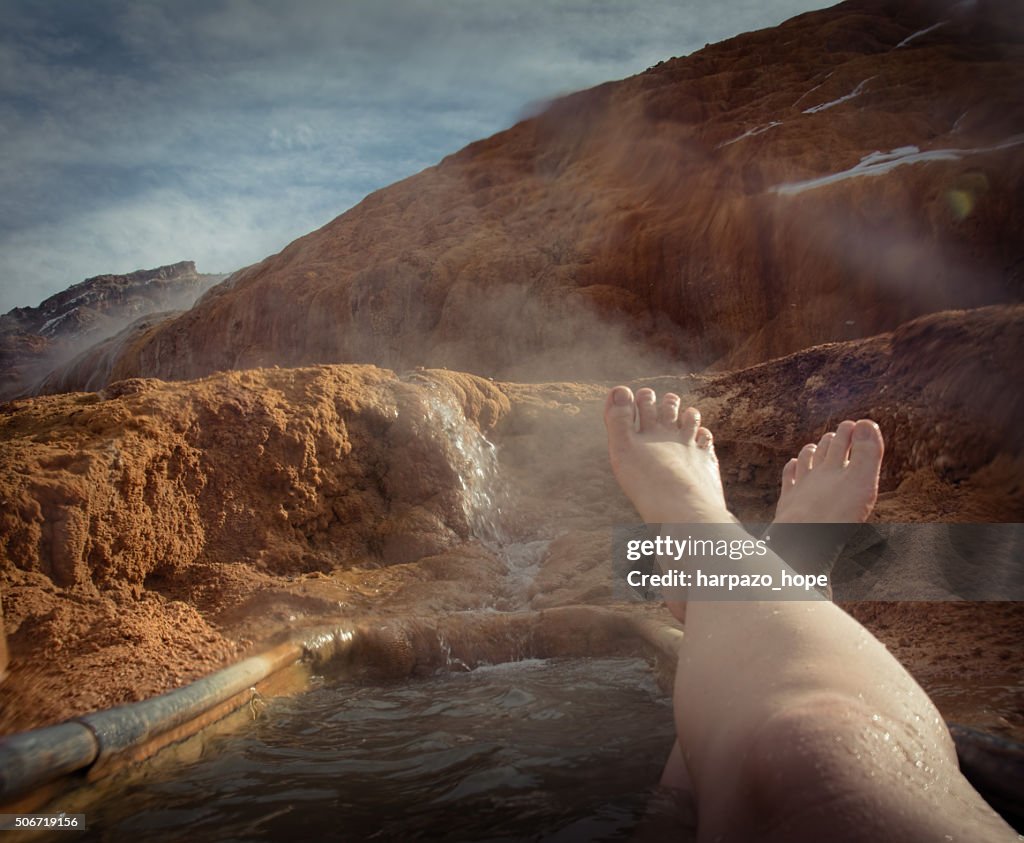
{"x": 559, "y": 750}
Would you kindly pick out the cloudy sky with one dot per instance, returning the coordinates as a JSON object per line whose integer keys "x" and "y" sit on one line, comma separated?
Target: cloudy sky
{"x": 135, "y": 134}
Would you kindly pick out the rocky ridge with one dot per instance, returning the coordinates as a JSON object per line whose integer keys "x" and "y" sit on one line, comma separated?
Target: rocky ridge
{"x": 33, "y": 340}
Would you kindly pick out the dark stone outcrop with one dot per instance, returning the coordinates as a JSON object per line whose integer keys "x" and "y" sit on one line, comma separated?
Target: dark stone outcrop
{"x": 33, "y": 340}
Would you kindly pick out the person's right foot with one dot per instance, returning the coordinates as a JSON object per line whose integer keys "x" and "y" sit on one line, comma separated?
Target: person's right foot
{"x": 835, "y": 481}
{"x": 663, "y": 459}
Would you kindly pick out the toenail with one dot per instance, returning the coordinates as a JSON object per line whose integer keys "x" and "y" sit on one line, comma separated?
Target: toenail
{"x": 620, "y": 396}
{"x": 865, "y": 433}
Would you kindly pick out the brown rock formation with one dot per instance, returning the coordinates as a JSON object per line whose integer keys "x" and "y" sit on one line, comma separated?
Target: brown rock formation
{"x": 171, "y": 520}
{"x": 124, "y": 511}
{"x": 4, "y": 654}
{"x": 827, "y": 179}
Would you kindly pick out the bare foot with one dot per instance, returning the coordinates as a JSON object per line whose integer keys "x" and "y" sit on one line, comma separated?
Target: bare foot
{"x": 835, "y": 481}
{"x": 663, "y": 459}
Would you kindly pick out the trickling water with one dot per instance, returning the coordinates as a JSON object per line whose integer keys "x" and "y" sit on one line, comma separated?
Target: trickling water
{"x": 474, "y": 459}
{"x": 475, "y": 462}
{"x": 523, "y": 561}
{"x": 559, "y": 750}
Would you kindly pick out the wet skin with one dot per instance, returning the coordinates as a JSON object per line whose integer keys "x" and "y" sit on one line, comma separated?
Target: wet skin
{"x": 793, "y": 722}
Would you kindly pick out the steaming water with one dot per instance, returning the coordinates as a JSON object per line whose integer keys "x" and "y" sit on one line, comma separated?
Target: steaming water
{"x": 540, "y": 750}
{"x": 475, "y": 461}
{"x": 484, "y": 499}
{"x": 523, "y": 560}
{"x": 559, "y": 750}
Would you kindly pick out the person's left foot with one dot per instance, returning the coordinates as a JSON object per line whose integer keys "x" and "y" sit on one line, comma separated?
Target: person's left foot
{"x": 835, "y": 481}
{"x": 827, "y": 492}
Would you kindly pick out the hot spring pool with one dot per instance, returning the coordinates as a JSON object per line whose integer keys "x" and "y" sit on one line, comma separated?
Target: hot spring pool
{"x": 555, "y": 749}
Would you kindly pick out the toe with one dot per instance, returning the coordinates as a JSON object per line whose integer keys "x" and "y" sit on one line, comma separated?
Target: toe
{"x": 840, "y": 445}
{"x": 704, "y": 438}
{"x": 619, "y": 415}
{"x": 668, "y": 409}
{"x": 689, "y": 422}
{"x": 866, "y": 449}
{"x": 789, "y": 474}
{"x": 821, "y": 454}
{"x": 646, "y": 408}
{"x": 804, "y": 461}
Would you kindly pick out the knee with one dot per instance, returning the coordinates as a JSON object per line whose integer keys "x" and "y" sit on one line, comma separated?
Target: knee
{"x": 803, "y": 760}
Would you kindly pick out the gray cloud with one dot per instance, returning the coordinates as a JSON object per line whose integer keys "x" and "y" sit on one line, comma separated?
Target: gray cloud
{"x": 135, "y": 134}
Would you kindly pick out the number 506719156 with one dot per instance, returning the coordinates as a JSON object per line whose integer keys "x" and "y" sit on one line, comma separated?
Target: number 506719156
{"x": 49, "y": 822}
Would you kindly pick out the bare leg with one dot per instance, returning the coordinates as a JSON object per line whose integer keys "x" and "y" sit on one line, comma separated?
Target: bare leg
{"x": 835, "y": 480}
{"x": 795, "y": 723}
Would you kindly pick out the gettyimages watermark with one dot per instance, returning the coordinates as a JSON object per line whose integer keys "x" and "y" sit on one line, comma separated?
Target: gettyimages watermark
{"x": 846, "y": 562}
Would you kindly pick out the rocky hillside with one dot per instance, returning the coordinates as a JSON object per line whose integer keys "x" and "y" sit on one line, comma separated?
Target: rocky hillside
{"x": 33, "y": 340}
{"x": 827, "y": 179}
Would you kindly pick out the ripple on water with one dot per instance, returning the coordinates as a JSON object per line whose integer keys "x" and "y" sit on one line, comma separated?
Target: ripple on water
{"x": 540, "y": 749}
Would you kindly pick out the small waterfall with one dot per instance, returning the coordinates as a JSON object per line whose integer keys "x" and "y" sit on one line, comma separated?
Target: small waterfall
{"x": 485, "y": 500}
{"x": 446, "y": 648}
{"x": 475, "y": 461}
